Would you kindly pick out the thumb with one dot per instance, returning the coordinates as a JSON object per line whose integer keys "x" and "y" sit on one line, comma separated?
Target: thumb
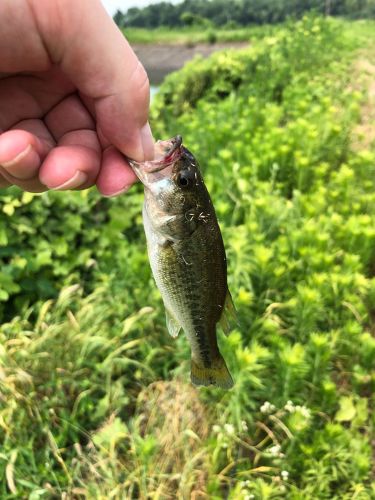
{"x": 85, "y": 43}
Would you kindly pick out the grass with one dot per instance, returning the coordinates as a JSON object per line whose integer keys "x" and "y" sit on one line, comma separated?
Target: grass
{"x": 95, "y": 400}
{"x": 193, "y": 35}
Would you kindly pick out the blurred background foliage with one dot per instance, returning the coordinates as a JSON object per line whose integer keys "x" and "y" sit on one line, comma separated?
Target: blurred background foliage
{"x": 221, "y": 13}
{"x": 94, "y": 394}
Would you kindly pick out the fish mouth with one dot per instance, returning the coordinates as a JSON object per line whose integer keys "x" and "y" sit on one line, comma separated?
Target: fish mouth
{"x": 166, "y": 153}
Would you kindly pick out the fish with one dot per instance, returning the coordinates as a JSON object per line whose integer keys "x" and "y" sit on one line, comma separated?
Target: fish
{"x": 187, "y": 256}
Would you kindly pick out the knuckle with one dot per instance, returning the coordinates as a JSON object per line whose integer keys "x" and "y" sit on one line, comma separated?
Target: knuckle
{"x": 140, "y": 80}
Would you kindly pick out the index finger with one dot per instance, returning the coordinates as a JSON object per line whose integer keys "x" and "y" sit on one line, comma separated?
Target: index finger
{"x": 86, "y": 44}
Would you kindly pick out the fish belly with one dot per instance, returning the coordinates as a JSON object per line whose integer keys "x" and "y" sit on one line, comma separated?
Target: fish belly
{"x": 191, "y": 277}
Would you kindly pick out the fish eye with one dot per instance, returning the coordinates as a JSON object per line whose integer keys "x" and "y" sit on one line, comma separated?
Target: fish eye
{"x": 185, "y": 179}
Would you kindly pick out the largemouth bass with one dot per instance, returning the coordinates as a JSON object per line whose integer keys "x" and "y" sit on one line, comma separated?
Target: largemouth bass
{"x": 187, "y": 256}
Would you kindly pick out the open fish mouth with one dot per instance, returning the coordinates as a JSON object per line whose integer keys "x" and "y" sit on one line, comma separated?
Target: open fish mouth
{"x": 166, "y": 153}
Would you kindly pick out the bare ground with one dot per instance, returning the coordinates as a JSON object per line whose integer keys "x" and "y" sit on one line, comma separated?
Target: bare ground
{"x": 364, "y": 133}
{"x": 364, "y": 77}
{"x": 161, "y": 59}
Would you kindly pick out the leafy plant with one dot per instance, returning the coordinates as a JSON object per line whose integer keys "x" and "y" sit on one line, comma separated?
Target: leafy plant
{"x": 94, "y": 398}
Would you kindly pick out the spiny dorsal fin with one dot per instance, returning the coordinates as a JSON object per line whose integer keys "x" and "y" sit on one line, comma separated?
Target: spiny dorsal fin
{"x": 229, "y": 313}
{"x": 172, "y": 325}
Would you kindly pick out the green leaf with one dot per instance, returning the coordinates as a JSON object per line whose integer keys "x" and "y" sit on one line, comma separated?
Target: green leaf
{"x": 347, "y": 410}
{"x": 111, "y": 434}
{"x": 3, "y": 237}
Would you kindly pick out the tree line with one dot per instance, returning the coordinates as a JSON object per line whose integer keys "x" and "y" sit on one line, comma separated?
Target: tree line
{"x": 237, "y": 12}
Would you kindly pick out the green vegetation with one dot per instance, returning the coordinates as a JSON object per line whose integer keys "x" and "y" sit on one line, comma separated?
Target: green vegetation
{"x": 204, "y": 13}
{"x": 94, "y": 394}
{"x": 190, "y": 36}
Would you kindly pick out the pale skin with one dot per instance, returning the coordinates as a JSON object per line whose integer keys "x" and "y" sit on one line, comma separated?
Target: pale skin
{"x": 74, "y": 98}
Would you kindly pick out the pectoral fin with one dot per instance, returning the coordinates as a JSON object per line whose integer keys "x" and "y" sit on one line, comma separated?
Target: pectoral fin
{"x": 229, "y": 313}
{"x": 172, "y": 325}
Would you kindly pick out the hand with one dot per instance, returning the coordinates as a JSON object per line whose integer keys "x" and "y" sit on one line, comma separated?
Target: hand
{"x": 73, "y": 97}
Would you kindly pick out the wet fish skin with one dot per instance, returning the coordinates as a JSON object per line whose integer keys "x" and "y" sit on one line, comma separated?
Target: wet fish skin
{"x": 187, "y": 255}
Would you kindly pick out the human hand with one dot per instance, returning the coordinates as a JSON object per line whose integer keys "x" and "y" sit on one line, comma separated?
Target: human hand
{"x": 73, "y": 98}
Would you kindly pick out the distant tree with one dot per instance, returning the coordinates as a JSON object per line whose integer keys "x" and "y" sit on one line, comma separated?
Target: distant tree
{"x": 189, "y": 19}
{"x": 119, "y": 18}
{"x": 240, "y": 12}
{"x": 360, "y": 8}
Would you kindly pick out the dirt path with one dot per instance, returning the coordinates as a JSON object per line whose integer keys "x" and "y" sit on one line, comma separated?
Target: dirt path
{"x": 161, "y": 59}
{"x": 364, "y": 133}
{"x": 364, "y": 77}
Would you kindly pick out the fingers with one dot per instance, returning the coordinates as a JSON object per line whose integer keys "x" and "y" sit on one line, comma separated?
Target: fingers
{"x": 70, "y": 114}
{"x": 21, "y": 47}
{"x": 30, "y": 158}
{"x": 103, "y": 67}
{"x": 115, "y": 175}
{"x": 27, "y": 96}
{"x": 74, "y": 163}
{"x": 22, "y": 152}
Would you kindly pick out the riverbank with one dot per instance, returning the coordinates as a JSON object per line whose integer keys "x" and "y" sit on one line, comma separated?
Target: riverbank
{"x": 161, "y": 59}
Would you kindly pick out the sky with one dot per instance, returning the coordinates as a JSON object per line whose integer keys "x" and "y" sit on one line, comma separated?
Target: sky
{"x": 123, "y": 5}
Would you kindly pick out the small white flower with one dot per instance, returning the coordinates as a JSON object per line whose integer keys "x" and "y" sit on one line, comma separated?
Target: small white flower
{"x": 216, "y": 429}
{"x": 285, "y": 475}
{"x": 275, "y": 450}
{"x": 249, "y": 497}
{"x": 247, "y": 482}
{"x": 305, "y": 412}
{"x": 267, "y": 407}
{"x": 290, "y": 406}
{"x": 229, "y": 429}
{"x": 244, "y": 425}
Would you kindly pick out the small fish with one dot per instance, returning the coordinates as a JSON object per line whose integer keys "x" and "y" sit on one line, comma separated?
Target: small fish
{"x": 187, "y": 256}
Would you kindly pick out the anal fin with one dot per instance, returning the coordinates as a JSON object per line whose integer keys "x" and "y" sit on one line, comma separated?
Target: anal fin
{"x": 229, "y": 313}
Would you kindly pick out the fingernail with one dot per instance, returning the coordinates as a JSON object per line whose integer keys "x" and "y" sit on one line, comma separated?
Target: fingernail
{"x": 120, "y": 191}
{"x": 147, "y": 142}
{"x": 78, "y": 179}
{"x": 17, "y": 158}
{"x": 23, "y": 164}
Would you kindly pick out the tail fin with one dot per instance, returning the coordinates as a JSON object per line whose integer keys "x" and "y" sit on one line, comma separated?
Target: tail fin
{"x": 217, "y": 374}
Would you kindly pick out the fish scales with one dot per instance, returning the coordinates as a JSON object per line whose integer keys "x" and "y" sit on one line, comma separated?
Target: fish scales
{"x": 187, "y": 255}
{"x": 194, "y": 288}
